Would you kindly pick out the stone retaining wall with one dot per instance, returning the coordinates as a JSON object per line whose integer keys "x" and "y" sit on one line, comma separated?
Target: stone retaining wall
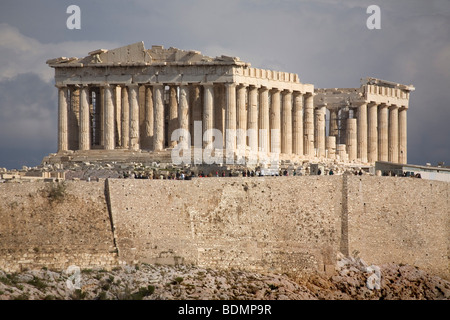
{"x": 284, "y": 224}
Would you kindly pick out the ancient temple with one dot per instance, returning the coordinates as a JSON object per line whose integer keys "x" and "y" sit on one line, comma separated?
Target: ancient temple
{"x": 132, "y": 102}
{"x": 366, "y": 124}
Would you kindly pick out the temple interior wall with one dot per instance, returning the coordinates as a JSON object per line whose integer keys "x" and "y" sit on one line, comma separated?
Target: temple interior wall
{"x": 274, "y": 223}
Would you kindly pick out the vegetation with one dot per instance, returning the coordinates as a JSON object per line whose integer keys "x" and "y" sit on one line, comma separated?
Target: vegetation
{"x": 38, "y": 283}
{"x": 78, "y": 294}
{"x": 56, "y": 192}
{"x": 178, "y": 280}
{"x": 22, "y": 296}
{"x": 143, "y": 292}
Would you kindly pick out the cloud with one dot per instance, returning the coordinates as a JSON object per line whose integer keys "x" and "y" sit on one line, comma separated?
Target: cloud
{"x": 27, "y": 120}
{"x": 21, "y": 54}
{"x": 325, "y": 42}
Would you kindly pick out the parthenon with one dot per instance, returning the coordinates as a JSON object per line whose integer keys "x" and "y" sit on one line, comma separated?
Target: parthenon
{"x": 130, "y": 101}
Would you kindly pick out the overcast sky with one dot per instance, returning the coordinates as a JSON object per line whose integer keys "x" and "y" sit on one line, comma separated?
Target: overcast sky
{"x": 325, "y": 42}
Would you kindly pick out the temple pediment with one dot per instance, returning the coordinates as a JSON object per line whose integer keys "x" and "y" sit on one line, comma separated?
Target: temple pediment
{"x": 136, "y": 54}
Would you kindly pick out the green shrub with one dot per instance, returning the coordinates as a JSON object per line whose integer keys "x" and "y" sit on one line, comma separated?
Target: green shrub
{"x": 56, "y": 192}
{"x": 22, "y": 296}
{"x": 102, "y": 296}
{"x": 178, "y": 280}
{"x": 87, "y": 271}
{"x": 143, "y": 292}
{"x": 38, "y": 283}
{"x": 78, "y": 295}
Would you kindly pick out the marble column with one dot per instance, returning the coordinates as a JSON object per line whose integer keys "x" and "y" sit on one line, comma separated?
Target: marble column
{"x": 372, "y": 127}
{"x": 63, "y": 141}
{"x": 297, "y": 124}
{"x": 196, "y": 108}
{"x": 334, "y": 125}
{"x": 133, "y": 96}
{"x": 362, "y": 132}
{"x": 74, "y": 118}
{"x": 208, "y": 113}
{"x": 230, "y": 118}
{"x": 173, "y": 114}
{"x": 102, "y": 116}
{"x": 286, "y": 123}
{"x": 241, "y": 119}
{"x": 109, "y": 118}
{"x": 275, "y": 122}
{"x": 402, "y": 131}
{"x": 125, "y": 119}
{"x": 330, "y": 145}
{"x": 158, "y": 117}
{"x": 183, "y": 109}
{"x": 118, "y": 116}
{"x": 253, "y": 118}
{"x": 84, "y": 138}
{"x": 147, "y": 136}
{"x": 352, "y": 139}
{"x": 263, "y": 134}
{"x": 219, "y": 109}
{"x": 308, "y": 142}
{"x": 341, "y": 152}
{"x": 319, "y": 130}
{"x": 393, "y": 134}
{"x": 383, "y": 132}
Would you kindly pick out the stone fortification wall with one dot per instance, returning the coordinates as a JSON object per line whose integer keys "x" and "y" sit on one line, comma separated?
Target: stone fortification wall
{"x": 272, "y": 223}
{"x": 41, "y": 225}
{"x": 401, "y": 220}
{"x": 282, "y": 224}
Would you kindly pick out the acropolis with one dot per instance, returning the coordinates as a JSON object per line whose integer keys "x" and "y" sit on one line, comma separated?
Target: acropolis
{"x": 127, "y": 103}
{"x": 115, "y": 195}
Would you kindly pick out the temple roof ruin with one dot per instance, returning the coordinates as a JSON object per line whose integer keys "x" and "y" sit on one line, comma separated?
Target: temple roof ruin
{"x": 136, "y": 54}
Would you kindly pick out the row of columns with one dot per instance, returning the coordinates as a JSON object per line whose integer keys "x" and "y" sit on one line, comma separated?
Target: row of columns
{"x": 278, "y": 127}
{"x": 290, "y": 124}
{"x": 381, "y": 133}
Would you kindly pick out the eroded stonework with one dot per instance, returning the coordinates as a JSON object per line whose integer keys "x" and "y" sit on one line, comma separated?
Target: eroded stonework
{"x": 133, "y": 100}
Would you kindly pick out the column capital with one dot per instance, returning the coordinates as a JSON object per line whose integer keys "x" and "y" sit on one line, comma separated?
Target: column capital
{"x": 207, "y": 84}
{"x": 60, "y": 86}
{"x": 275, "y": 90}
{"x": 359, "y": 103}
{"x": 134, "y": 86}
{"x": 393, "y": 106}
{"x": 230, "y": 84}
{"x": 309, "y": 94}
{"x": 402, "y": 108}
{"x": 286, "y": 91}
{"x": 297, "y": 92}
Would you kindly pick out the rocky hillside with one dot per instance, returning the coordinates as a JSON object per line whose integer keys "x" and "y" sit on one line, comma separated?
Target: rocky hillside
{"x": 353, "y": 280}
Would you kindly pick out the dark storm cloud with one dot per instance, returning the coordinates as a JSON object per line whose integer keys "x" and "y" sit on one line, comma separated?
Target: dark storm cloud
{"x": 27, "y": 120}
{"x": 326, "y": 42}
